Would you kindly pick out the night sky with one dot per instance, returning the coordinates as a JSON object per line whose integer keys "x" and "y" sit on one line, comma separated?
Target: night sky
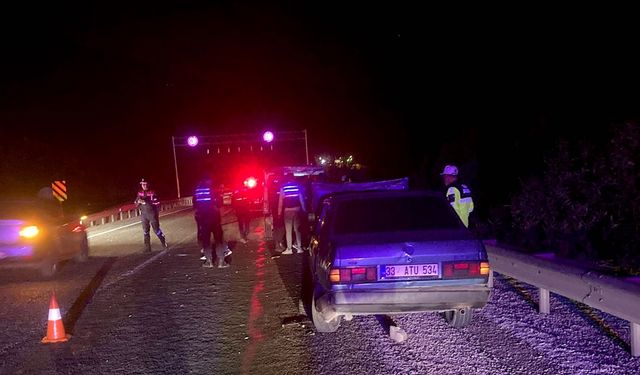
{"x": 93, "y": 93}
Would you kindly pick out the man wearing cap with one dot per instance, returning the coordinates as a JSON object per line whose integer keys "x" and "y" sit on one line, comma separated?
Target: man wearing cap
{"x": 458, "y": 194}
{"x": 148, "y": 204}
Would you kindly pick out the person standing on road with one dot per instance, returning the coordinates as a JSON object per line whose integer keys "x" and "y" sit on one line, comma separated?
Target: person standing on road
{"x": 458, "y": 194}
{"x": 241, "y": 207}
{"x": 148, "y": 203}
{"x": 209, "y": 221}
{"x": 290, "y": 205}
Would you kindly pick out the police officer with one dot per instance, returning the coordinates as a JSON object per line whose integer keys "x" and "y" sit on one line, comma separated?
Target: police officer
{"x": 290, "y": 205}
{"x": 458, "y": 194}
{"x": 209, "y": 220}
{"x": 148, "y": 203}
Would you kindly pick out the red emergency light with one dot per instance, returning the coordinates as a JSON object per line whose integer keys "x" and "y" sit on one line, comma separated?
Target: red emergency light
{"x": 250, "y": 182}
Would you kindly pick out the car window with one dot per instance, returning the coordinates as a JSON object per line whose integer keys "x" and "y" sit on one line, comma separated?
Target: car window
{"x": 322, "y": 217}
{"x": 389, "y": 214}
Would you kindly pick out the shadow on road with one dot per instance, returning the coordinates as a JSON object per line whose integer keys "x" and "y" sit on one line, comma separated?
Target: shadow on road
{"x": 74, "y": 313}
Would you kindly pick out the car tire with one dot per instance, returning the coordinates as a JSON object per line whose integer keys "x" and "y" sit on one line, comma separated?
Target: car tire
{"x": 48, "y": 268}
{"x": 83, "y": 255}
{"x": 321, "y": 325}
{"x": 459, "y": 317}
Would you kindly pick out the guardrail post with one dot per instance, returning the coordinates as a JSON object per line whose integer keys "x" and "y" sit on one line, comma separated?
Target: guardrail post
{"x": 490, "y": 282}
{"x": 635, "y": 339}
{"x": 543, "y": 303}
{"x": 102, "y": 220}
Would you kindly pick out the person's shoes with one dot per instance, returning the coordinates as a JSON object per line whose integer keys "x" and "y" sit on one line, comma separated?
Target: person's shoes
{"x": 165, "y": 245}
{"x": 147, "y": 248}
{"x": 207, "y": 264}
{"x": 227, "y": 252}
{"x": 202, "y": 256}
{"x": 244, "y": 241}
{"x": 223, "y": 264}
{"x": 297, "y": 249}
{"x": 287, "y": 252}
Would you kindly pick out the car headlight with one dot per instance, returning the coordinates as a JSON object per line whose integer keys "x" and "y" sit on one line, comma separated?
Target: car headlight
{"x": 29, "y": 231}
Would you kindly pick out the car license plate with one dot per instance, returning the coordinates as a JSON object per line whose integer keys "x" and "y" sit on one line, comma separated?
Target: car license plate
{"x": 409, "y": 271}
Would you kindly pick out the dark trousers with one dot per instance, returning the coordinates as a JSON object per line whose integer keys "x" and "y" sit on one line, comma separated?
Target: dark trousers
{"x": 150, "y": 220}
{"x": 278, "y": 231}
{"x": 208, "y": 225}
{"x": 244, "y": 220}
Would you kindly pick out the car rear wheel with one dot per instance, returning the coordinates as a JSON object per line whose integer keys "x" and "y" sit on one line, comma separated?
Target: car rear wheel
{"x": 83, "y": 255}
{"x": 320, "y": 324}
{"x": 459, "y": 317}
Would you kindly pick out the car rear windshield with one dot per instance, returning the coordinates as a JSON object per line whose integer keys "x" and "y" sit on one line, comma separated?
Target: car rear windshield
{"x": 390, "y": 214}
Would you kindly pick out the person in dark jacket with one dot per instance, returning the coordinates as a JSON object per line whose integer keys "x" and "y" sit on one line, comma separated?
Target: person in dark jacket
{"x": 149, "y": 205}
{"x": 207, "y": 206}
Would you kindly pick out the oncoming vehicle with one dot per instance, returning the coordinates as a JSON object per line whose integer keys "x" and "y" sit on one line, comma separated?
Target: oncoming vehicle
{"x": 33, "y": 233}
{"x": 394, "y": 252}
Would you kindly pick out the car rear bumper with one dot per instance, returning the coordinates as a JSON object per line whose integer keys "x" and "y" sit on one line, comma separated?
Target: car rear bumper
{"x": 390, "y": 301}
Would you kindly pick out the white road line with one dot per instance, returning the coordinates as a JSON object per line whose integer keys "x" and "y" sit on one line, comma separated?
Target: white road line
{"x": 132, "y": 224}
{"x": 145, "y": 263}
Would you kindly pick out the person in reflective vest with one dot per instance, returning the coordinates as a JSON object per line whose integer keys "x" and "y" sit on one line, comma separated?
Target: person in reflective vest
{"x": 458, "y": 194}
{"x": 290, "y": 205}
{"x": 149, "y": 205}
{"x": 209, "y": 221}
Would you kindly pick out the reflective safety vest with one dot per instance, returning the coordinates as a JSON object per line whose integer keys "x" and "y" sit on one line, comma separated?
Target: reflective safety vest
{"x": 290, "y": 197}
{"x": 204, "y": 199}
{"x": 459, "y": 197}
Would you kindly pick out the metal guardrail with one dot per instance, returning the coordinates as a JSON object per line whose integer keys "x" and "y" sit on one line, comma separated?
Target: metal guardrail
{"x": 615, "y": 296}
{"x": 129, "y": 210}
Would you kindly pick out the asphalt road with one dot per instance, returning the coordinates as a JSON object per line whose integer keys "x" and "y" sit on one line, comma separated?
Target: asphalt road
{"x": 162, "y": 313}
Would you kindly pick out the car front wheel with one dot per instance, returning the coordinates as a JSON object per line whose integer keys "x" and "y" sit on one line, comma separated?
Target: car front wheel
{"x": 459, "y": 317}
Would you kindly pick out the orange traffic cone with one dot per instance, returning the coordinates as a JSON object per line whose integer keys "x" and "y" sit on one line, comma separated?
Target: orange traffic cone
{"x": 55, "y": 328}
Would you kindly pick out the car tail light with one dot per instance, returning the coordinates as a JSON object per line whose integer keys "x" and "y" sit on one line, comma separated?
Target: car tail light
{"x": 29, "y": 231}
{"x": 78, "y": 228}
{"x": 458, "y": 270}
{"x": 484, "y": 268}
{"x": 355, "y": 275}
{"x": 334, "y": 275}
